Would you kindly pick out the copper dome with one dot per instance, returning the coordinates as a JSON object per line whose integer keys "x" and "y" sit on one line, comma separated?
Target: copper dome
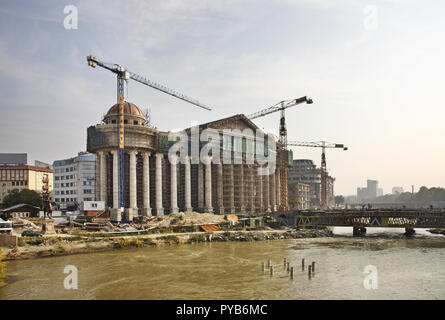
{"x": 129, "y": 108}
{"x": 131, "y": 112}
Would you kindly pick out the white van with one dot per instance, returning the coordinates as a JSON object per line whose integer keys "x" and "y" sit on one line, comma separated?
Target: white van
{"x": 5, "y": 227}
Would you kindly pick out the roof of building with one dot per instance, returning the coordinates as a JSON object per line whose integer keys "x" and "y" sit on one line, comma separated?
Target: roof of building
{"x": 26, "y": 167}
{"x": 20, "y": 205}
{"x": 129, "y": 108}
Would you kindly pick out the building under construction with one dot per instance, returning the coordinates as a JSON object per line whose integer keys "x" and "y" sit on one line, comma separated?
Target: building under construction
{"x": 155, "y": 185}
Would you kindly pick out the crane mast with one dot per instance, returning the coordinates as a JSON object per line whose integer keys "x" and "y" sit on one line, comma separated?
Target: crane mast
{"x": 123, "y": 75}
{"x": 323, "y": 168}
{"x": 282, "y": 151}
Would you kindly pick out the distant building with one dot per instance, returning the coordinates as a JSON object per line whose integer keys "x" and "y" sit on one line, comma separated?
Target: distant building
{"x": 42, "y": 164}
{"x": 370, "y": 192}
{"x": 304, "y": 171}
{"x": 299, "y": 195}
{"x": 13, "y": 158}
{"x": 379, "y": 192}
{"x": 23, "y": 176}
{"x": 397, "y": 190}
{"x": 75, "y": 180}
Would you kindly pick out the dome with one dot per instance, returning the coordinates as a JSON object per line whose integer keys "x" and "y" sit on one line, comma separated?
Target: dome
{"x": 132, "y": 114}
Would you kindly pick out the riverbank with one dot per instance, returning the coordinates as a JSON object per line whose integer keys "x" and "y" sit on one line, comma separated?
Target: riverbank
{"x": 32, "y": 248}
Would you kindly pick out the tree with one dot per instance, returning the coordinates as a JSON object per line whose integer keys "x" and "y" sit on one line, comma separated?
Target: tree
{"x": 23, "y": 196}
{"x": 339, "y": 200}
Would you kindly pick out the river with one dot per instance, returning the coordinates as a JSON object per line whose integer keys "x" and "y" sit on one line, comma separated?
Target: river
{"x": 404, "y": 269}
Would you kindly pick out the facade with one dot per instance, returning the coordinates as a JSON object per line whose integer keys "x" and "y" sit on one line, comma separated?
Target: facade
{"x": 156, "y": 183}
{"x": 299, "y": 195}
{"x": 75, "y": 180}
{"x": 305, "y": 171}
{"x": 22, "y": 176}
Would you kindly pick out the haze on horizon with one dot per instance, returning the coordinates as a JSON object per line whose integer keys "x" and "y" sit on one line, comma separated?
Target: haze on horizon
{"x": 376, "y": 87}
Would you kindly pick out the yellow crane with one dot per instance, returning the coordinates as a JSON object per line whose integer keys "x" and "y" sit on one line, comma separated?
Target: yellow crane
{"x": 282, "y": 151}
{"x": 324, "y": 174}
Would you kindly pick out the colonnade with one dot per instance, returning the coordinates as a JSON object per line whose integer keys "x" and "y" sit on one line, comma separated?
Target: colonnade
{"x": 236, "y": 188}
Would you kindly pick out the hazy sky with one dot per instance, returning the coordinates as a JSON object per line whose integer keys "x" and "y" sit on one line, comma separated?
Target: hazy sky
{"x": 376, "y": 75}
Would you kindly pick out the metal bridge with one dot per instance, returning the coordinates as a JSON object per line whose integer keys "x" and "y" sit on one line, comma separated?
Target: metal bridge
{"x": 359, "y": 219}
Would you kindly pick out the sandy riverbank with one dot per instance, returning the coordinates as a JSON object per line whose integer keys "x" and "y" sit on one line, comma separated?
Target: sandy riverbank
{"x": 59, "y": 246}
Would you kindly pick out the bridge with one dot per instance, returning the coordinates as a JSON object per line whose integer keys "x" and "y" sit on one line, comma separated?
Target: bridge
{"x": 360, "y": 219}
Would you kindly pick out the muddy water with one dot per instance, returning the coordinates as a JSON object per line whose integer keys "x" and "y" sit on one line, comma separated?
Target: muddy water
{"x": 406, "y": 269}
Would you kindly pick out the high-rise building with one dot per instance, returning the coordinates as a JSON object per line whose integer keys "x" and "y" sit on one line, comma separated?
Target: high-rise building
{"x": 372, "y": 186}
{"x": 396, "y": 190}
{"x": 305, "y": 171}
{"x": 371, "y": 191}
{"x": 75, "y": 180}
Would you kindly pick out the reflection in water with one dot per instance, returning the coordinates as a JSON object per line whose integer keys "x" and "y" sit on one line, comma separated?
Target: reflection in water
{"x": 407, "y": 269}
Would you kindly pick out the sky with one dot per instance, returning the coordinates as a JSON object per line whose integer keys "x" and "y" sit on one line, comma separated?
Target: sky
{"x": 374, "y": 69}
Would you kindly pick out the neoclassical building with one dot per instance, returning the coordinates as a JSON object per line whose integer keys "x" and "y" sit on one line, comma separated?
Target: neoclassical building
{"x": 156, "y": 185}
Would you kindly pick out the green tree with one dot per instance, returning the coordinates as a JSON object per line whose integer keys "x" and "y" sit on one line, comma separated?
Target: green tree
{"x": 2, "y": 267}
{"x": 24, "y": 196}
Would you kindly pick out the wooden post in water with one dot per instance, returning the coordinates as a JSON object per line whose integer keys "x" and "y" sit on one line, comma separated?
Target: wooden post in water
{"x": 268, "y": 263}
{"x": 285, "y": 262}
{"x": 271, "y": 270}
{"x": 288, "y": 267}
{"x": 302, "y": 264}
{"x": 313, "y": 266}
{"x": 262, "y": 266}
{"x": 291, "y": 272}
{"x": 309, "y": 273}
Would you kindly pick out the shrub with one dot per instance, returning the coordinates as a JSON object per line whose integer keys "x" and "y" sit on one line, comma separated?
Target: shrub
{"x": 170, "y": 239}
{"x": 2, "y": 267}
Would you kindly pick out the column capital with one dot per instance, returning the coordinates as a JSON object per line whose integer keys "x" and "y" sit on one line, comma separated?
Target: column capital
{"x": 131, "y": 152}
{"x": 146, "y": 154}
{"x": 159, "y": 155}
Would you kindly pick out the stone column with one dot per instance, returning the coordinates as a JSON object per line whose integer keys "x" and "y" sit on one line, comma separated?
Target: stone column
{"x": 252, "y": 188}
{"x": 266, "y": 193}
{"x": 200, "y": 187}
{"x": 103, "y": 176}
{"x": 188, "y": 186}
{"x": 219, "y": 191}
{"x": 146, "y": 211}
{"x": 133, "y": 209}
{"x": 242, "y": 196}
{"x": 273, "y": 192}
{"x": 116, "y": 214}
{"x": 260, "y": 191}
{"x": 173, "y": 185}
{"x": 232, "y": 189}
{"x": 278, "y": 188}
{"x": 208, "y": 186}
{"x": 159, "y": 209}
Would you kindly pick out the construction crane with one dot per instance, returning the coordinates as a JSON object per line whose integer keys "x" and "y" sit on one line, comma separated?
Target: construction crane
{"x": 282, "y": 154}
{"x": 123, "y": 75}
{"x": 323, "y": 145}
